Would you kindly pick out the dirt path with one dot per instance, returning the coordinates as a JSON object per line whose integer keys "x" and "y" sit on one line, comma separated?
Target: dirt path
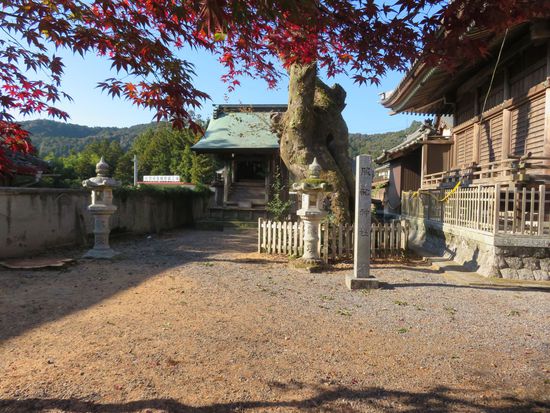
{"x": 189, "y": 322}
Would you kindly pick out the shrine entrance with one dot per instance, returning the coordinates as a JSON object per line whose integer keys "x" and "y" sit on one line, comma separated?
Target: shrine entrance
{"x": 241, "y": 138}
{"x": 250, "y": 170}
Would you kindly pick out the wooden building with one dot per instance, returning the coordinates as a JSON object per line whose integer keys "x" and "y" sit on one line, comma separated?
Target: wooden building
{"x": 422, "y": 152}
{"x": 500, "y": 112}
{"x": 241, "y": 137}
{"x": 480, "y": 192}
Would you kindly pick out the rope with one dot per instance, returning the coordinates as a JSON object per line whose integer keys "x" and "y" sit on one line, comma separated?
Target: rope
{"x": 415, "y": 194}
{"x": 493, "y": 76}
{"x": 450, "y": 193}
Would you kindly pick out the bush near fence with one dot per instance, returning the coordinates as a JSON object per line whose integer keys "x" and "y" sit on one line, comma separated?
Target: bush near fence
{"x": 336, "y": 241}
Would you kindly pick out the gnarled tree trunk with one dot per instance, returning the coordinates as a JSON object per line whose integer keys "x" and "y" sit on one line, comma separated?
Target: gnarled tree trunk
{"x": 313, "y": 126}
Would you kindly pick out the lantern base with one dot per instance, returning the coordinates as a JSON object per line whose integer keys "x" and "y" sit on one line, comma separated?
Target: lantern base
{"x": 309, "y": 265}
{"x": 106, "y": 253}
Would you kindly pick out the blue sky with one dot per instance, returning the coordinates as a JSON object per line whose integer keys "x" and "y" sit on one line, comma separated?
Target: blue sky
{"x": 92, "y": 107}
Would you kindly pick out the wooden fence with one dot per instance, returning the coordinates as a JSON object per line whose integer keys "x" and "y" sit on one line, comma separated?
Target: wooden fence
{"x": 466, "y": 207}
{"x": 491, "y": 209}
{"x": 336, "y": 241}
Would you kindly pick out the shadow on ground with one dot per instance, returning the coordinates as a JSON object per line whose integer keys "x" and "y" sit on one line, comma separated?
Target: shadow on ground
{"x": 30, "y": 298}
{"x": 392, "y": 286}
{"x": 338, "y": 399}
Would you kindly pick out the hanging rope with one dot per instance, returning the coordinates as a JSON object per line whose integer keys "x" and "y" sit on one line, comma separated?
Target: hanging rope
{"x": 451, "y": 192}
{"x": 415, "y": 194}
{"x": 493, "y": 76}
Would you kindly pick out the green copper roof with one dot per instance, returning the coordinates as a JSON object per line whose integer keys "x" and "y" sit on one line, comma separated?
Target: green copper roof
{"x": 240, "y": 127}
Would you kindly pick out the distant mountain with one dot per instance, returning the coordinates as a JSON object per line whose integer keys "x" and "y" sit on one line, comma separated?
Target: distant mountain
{"x": 374, "y": 144}
{"x": 61, "y": 138}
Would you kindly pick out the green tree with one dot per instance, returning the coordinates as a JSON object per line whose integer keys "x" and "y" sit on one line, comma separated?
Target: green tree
{"x": 124, "y": 170}
{"x": 278, "y": 208}
{"x": 72, "y": 169}
{"x": 202, "y": 169}
{"x": 186, "y": 164}
{"x": 167, "y": 151}
{"x": 161, "y": 150}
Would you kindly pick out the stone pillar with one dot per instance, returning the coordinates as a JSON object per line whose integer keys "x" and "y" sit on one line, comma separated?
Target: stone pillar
{"x": 101, "y": 209}
{"x": 361, "y": 277}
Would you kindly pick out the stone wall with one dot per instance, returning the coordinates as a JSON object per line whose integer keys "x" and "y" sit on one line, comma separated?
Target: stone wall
{"x": 34, "y": 219}
{"x": 523, "y": 263}
{"x": 481, "y": 252}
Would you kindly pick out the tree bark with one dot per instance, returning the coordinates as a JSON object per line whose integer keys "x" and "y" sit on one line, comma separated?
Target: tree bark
{"x": 313, "y": 126}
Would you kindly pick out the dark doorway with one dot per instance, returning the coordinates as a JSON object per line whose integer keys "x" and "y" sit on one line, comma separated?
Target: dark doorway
{"x": 250, "y": 171}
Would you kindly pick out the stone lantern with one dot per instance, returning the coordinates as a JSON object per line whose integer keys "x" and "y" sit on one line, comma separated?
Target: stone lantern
{"x": 312, "y": 190}
{"x": 101, "y": 209}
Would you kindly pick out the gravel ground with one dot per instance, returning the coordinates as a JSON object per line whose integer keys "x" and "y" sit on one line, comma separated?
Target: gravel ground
{"x": 196, "y": 321}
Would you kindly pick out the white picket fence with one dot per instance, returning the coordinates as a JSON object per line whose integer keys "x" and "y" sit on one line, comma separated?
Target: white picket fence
{"x": 276, "y": 237}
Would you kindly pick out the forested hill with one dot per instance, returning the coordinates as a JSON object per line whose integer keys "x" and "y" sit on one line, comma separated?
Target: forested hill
{"x": 374, "y": 144}
{"x": 60, "y": 138}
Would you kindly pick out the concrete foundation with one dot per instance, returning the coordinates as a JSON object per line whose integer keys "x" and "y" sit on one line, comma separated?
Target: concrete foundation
{"x": 511, "y": 256}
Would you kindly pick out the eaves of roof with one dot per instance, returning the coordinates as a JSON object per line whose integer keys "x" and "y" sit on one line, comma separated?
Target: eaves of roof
{"x": 411, "y": 142}
{"x": 240, "y": 130}
{"x": 424, "y": 88}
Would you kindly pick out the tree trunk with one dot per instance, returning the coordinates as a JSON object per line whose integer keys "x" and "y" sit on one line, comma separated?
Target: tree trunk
{"x": 313, "y": 126}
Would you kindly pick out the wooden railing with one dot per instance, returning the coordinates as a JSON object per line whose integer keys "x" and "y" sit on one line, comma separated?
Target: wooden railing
{"x": 524, "y": 211}
{"x": 336, "y": 241}
{"x": 511, "y": 170}
{"x": 491, "y": 209}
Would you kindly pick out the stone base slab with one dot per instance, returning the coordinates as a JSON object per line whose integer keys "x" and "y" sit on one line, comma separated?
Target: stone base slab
{"x": 354, "y": 283}
{"x": 101, "y": 254}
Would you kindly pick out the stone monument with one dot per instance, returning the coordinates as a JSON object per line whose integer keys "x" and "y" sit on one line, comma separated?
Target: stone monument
{"x": 361, "y": 277}
{"x": 311, "y": 213}
{"x": 101, "y": 209}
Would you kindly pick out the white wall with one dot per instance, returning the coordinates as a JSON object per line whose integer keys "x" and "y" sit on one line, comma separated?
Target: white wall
{"x": 34, "y": 219}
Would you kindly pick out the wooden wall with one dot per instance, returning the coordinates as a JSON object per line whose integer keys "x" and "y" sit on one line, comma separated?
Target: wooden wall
{"x": 463, "y": 147}
{"x": 527, "y": 127}
{"x": 490, "y": 139}
{"x": 438, "y": 158}
{"x": 410, "y": 170}
{"x": 514, "y": 120}
{"x": 393, "y": 191}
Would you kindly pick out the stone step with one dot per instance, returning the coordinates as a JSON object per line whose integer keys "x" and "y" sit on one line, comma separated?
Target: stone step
{"x": 258, "y": 184}
{"x": 251, "y": 191}
{"x": 214, "y": 225}
{"x": 246, "y": 202}
{"x": 236, "y": 213}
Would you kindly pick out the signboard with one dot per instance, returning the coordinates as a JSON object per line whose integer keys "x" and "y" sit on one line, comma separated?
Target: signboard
{"x": 161, "y": 178}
